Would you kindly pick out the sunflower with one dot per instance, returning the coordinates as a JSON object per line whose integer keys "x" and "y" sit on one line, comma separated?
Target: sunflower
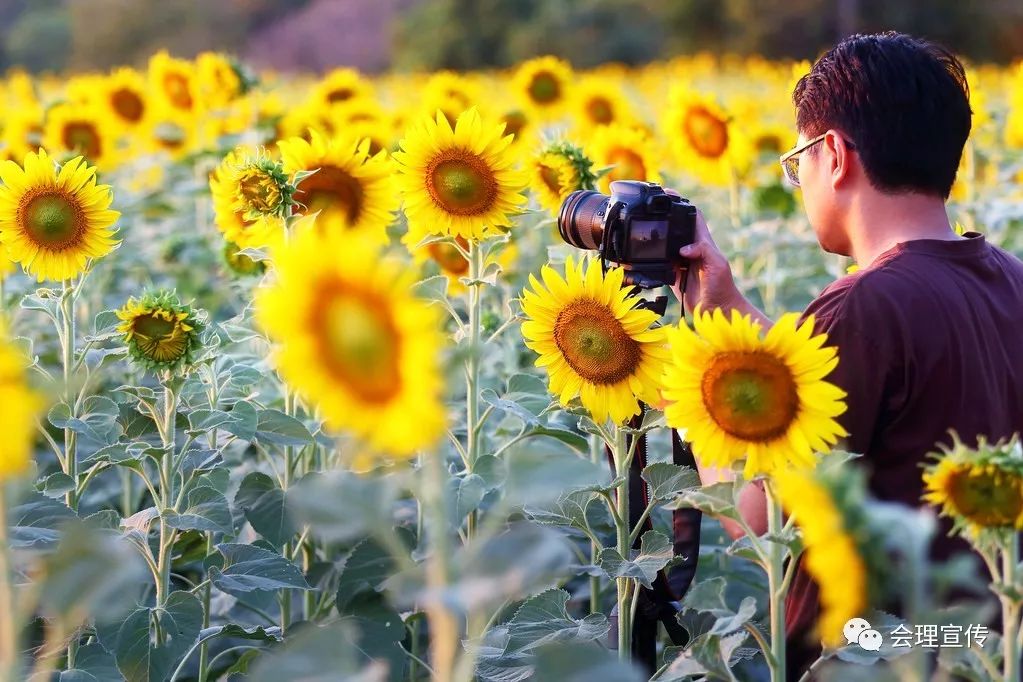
{"x": 628, "y": 151}
{"x": 543, "y": 85}
{"x": 831, "y": 555}
{"x": 161, "y": 333}
{"x": 557, "y": 171}
{"x": 241, "y": 264}
{"x": 354, "y": 341}
{"x": 235, "y": 221}
{"x": 218, "y": 82}
{"x": 258, "y": 185}
{"x": 593, "y": 340}
{"x": 342, "y": 87}
{"x": 21, "y": 405}
{"x": 595, "y": 104}
{"x": 350, "y": 189}
{"x": 461, "y": 181}
{"x": 705, "y": 142}
{"x": 449, "y": 93}
{"x": 7, "y": 266}
{"x": 52, "y": 220}
{"x": 169, "y": 131}
{"x": 22, "y": 131}
{"x": 979, "y": 487}
{"x": 173, "y": 81}
{"x": 81, "y": 130}
{"x": 124, "y": 95}
{"x": 738, "y": 394}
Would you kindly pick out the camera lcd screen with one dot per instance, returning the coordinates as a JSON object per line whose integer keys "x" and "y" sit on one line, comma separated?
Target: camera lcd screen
{"x": 648, "y": 240}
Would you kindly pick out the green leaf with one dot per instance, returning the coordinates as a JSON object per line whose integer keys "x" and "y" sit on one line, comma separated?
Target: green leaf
{"x": 667, "y": 479}
{"x": 36, "y": 522}
{"x": 538, "y": 474}
{"x": 341, "y": 506}
{"x": 318, "y": 654}
{"x": 580, "y": 662}
{"x": 98, "y": 662}
{"x": 256, "y": 632}
{"x": 200, "y": 421}
{"x": 90, "y": 571}
{"x": 465, "y": 495}
{"x": 140, "y": 656}
{"x": 364, "y": 569}
{"x": 655, "y": 553}
{"x": 432, "y": 288}
{"x": 263, "y": 503}
{"x": 280, "y": 429}
{"x": 510, "y": 407}
{"x": 249, "y": 568}
{"x": 709, "y": 654}
{"x": 716, "y": 499}
{"x": 97, "y": 422}
{"x": 380, "y": 631}
{"x": 569, "y": 510}
{"x": 56, "y": 484}
{"x": 207, "y": 510}
{"x": 246, "y": 421}
{"x": 506, "y": 651}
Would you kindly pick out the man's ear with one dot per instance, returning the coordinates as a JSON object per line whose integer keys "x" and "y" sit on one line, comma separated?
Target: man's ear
{"x": 839, "y": 156}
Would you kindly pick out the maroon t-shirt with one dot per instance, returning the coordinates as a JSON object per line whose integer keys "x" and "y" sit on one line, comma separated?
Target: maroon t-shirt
{"x": 929, "y": 338}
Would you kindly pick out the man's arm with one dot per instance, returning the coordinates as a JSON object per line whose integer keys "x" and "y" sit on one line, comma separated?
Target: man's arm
{"x": 752, "y": 501}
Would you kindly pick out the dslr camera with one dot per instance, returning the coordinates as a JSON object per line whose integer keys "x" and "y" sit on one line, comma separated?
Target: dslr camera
{"x": 640, "y": 228}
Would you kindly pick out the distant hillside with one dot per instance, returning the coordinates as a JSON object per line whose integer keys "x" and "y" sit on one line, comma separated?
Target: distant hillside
{"x": 326, "y": 33}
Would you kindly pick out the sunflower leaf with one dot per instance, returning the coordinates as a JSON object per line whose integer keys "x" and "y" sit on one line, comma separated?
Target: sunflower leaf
{"x": 716, "y": 499}
{"x": 667, "y": 479}
{"x": 655, "y": 552}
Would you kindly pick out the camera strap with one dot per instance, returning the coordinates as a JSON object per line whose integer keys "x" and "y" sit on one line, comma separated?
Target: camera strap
{"x": 660, "y": 603}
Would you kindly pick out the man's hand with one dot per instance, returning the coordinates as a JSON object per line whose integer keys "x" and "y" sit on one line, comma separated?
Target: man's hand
{"x": 710, "y": 282}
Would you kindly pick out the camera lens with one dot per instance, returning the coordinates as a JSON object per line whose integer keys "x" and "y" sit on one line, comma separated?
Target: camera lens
{"x": 581, "y": 219}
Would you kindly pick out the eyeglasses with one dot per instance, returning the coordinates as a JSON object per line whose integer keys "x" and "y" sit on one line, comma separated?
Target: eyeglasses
{"x": 790, "y": 159}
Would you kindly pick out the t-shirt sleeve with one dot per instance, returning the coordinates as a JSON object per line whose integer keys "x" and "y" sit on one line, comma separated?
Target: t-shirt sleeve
{"x": 863, "y": 363}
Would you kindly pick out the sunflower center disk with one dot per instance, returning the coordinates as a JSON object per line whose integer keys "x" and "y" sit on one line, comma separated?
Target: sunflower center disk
{"x": 551, "y": 178}
{"x": 176, "y": 87}
{"x": 127, "y": 104}
{"x": 83, "y": 139}
{"x": 988, "y": 498}
{"x": 514, "y": 122}
{"x": 462, "y": 184}
{"x": 594, "y": 343}
{"x": 331, "y": 189}
{"x": 259, "y": 191}
{"x": 628, "y": 164}
{"x": 53, "y": 221}
{"x": 706, "y": 132}
{"x": 361, "y": 345}
{"x": 159, "y": 338}
{"x": 600, "y": 111}
{"x": 544, "y": 88}
{"x": 750, "y": 395}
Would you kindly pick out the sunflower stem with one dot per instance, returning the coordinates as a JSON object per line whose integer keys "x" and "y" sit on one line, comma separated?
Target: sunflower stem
{"x": 170, "y": 411}
{"x": 1010, "y": 609}
{"x": 67, "y": 339}
{"x": 472, "y": 374}
{"x": 775, "y": 585}
{"x": 285, "y": 598}
{"x": 595, "y": 547}
{"x": 619, "y": 450}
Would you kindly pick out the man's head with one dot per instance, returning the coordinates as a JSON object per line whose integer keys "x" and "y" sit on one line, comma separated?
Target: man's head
{"x": 895, "y": 113}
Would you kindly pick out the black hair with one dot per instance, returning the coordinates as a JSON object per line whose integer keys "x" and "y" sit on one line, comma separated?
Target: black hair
{"x": 904, "y": 103}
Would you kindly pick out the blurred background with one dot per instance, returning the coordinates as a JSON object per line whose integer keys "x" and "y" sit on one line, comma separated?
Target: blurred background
{"x": 377, "y": 35}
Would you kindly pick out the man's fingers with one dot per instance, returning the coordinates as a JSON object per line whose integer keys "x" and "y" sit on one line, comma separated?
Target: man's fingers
{"x": 692, "y": 251}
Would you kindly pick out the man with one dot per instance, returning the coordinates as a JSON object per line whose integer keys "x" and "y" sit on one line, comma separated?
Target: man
{"x": 929, "y": 330}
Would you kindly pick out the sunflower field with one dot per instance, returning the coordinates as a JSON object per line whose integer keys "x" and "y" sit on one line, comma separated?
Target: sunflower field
{"x": 298, "y": 381}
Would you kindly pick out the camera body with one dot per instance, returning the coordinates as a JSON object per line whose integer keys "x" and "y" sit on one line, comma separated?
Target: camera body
{"x": 640, "y": 228}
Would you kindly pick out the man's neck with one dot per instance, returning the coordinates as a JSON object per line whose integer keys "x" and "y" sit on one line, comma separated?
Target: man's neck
{"x": 882, "y": 221}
